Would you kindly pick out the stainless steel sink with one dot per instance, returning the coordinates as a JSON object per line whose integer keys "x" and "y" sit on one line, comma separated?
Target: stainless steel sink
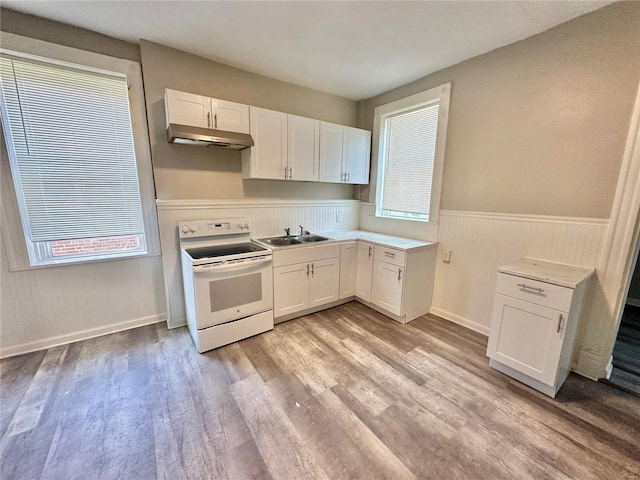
{"x": 281, "y": 241}
{"x": 311, "y": 238}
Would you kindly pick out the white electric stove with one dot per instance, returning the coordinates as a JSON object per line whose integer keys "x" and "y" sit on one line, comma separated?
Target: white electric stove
{"x": 228, "y": 282}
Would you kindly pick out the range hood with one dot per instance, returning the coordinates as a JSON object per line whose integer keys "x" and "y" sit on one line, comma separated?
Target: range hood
{"x": 207, "y": 137}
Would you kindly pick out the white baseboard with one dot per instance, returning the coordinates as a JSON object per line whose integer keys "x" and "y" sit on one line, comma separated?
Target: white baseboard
{"x": 476, "y": 327}
{"x": 634, "y": 302}
{"x": 82, "y": 335}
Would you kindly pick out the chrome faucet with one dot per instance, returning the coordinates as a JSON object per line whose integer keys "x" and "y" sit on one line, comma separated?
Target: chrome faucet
{"x": 303, "y": 231}
{"x": 288, "y": 231}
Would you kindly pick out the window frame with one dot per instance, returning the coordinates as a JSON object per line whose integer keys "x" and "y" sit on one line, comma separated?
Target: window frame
{"x": 440, "y": 94}
{"x": 13, "y": 234}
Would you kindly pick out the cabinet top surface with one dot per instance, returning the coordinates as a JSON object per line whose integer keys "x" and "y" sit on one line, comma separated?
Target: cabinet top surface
{"x": 549, "y": 272}
{"x": 407, "y": 244}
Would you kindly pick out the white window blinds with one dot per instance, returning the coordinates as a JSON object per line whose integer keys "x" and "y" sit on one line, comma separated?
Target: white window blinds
{"x": 409, "y": 152}
{"x": 73, "y": 155}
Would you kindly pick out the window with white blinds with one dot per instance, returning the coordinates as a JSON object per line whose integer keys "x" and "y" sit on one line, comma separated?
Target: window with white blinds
{"x": 409, "y": 151}
{"x": 69, "y": 135}
{"x": 410, "y": 138}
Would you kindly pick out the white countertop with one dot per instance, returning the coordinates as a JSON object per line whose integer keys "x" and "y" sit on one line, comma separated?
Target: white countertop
{"x": 406, "y": 244}
{"x": 549, "y": 272}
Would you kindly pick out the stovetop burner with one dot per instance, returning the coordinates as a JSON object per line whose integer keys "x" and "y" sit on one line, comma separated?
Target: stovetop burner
{"x": 224, "y": 250}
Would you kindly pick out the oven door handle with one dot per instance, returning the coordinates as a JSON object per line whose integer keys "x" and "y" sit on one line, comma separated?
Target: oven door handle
{"x": 233, "y": 266}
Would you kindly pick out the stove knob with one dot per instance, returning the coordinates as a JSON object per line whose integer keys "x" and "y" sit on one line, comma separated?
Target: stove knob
{"x": 241, "y": 225}
{"x": 246, "y": 224}
{"x": 185, "y": 228}
{"x": 192, "y": 229}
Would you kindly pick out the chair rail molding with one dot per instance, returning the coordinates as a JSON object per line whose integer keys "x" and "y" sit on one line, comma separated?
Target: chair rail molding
{"x": 615, "y": 261}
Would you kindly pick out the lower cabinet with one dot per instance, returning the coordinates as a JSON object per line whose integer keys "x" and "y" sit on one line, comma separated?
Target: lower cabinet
{"x": 304, "y": 278}
{"x": 535, "y": 321}
{"x": 388, "y": 286}
{"x": 364, "y": 271}
{"x": 348, "y": 269}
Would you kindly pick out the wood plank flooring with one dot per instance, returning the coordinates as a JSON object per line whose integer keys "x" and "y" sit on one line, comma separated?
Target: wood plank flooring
{"x": 344, "y": 393}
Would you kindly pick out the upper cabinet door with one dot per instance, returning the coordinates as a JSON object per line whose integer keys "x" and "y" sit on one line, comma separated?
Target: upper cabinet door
{"x": 332, "y": 152}
{"x": 303, "y": 151}
{"x": 187, "y": 109}
{"x": 357, "y": 156}
{"x": 230, "y": 116}
{"x": 268, "y": 158}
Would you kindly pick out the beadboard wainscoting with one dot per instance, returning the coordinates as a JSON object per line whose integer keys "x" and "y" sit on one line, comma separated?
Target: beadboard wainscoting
{"x": 46, "y": 307}
{"x": 481, "y": 242}
{"x": 268, "y": 217}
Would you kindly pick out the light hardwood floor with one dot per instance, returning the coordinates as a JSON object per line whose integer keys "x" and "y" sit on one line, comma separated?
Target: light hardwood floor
{"x": 344, "y": 393}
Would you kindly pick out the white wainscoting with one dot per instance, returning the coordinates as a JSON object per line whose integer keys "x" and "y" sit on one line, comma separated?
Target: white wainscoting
{"x": 481, "y": 242}
{"x": 45, "y": 307}
{"x": 268, "y": 217}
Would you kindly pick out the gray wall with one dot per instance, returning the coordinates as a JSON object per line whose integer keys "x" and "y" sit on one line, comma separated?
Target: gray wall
{"x": 68, "y": 35}
{"x": 539, "y": 126}
{"x": 184, "y": 172}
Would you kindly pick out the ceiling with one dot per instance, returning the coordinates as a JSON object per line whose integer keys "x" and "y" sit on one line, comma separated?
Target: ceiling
{"x": 355, "y": 49}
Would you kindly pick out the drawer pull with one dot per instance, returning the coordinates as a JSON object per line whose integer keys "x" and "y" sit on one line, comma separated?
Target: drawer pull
{"x": 524, "y": 286}
{"x": 389, "y": 254}
{"x": 399, "y": 274}
{"x": 559, "y": 323}
{"x": 370, "y": 248}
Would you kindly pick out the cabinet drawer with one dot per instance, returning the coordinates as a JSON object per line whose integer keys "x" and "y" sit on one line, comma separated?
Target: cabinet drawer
{"x": 390, "y": 255}
{"x": 533, "y": 291}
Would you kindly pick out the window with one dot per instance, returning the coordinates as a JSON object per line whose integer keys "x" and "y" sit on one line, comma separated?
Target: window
{"x": 69, "y": 136}
{"x": 410, "y": 140}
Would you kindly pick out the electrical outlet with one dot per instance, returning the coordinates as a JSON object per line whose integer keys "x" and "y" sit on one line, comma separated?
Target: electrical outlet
{"x": 446, "y": 256}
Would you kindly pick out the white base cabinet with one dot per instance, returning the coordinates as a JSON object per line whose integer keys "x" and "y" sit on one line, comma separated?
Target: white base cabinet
{"x": 348, "y": 268}
{"x": 534, "y": 322}
{"x": 305, "y": 278}
{"x": 364, "y": 270}
{"x": 395, "y": 282}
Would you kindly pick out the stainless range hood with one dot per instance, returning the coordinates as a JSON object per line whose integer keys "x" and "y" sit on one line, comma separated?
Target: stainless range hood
{"x": 207, "y": 137}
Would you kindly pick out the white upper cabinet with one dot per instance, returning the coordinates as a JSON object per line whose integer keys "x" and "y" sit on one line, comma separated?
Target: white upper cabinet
{"x": 344, "y": 154}
{"x": 357, "y": 156}
{"x": 205, "y": 112}
{"x": 332, "y": 150}
{"x": 230, "y": 116}
{"x": 187, "y": 109}
{"x": 268, "y": 157}
{"x": 303, "y": 150}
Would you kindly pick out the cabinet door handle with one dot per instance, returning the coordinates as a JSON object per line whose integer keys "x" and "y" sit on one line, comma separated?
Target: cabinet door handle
{"x": 559, "y": 323}
{"x": 348, "y": 175}
{"x": 307, "y": 269}
{"x": 209, "y": 119}
{"x": 399, "y": 274}
{"x": 290, "y": 173}
{"x": 285, "y": 173}
{"x": 524, "y": 286}
{"x": 370, "y": 248}
{"x": 313, "y": 269}
{"x": 215, "y": 120}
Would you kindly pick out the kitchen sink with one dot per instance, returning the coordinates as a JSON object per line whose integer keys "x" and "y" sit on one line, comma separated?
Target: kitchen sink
{"x": 281, "y": 241}
{"x": 311, "y": 238}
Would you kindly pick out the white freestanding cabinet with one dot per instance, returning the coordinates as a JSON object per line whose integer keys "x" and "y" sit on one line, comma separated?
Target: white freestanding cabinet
{"x": 535, "y": 318}
{"x": 348, "y": 266}
{"x": 305, "y": 278}
{"x": 344, "y": 154}
{"x": 364, "y": 270}
{"x": 205, "y": 112}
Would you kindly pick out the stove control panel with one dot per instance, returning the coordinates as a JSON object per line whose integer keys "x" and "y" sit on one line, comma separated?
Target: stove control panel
{"x": 209, "y": 228}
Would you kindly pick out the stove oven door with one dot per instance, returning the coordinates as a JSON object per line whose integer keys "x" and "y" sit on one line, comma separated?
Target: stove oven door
{"x": 231, "y": 291}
